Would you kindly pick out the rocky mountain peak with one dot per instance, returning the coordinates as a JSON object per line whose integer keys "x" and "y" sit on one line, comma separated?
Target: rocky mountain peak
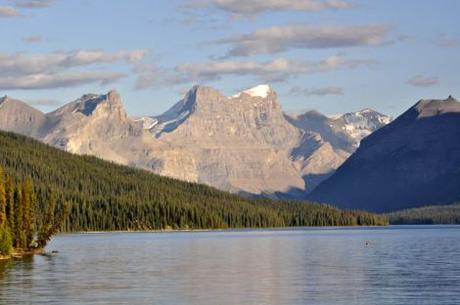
{"x": 94, "y": 105}
{"x": 429, "y": 108}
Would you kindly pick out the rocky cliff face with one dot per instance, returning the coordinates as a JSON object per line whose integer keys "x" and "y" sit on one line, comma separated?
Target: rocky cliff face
{"x": 239, "y": 143}
{"x": 243, "y": 143}
{"x": 95, "y": 125}
{"x": 413, "y": 161}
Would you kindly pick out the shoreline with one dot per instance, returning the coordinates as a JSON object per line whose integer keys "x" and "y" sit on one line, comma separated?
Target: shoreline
{"x": 22, "y": 254}
{"x": 256, "y": 229}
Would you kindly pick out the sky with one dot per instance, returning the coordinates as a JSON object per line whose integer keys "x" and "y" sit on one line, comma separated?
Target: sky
{"x": 334, "y": 56}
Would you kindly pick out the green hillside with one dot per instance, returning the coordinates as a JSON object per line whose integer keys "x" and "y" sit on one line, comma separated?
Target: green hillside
{"x": 106, "y": 196}
{"x": 436, "y": 214}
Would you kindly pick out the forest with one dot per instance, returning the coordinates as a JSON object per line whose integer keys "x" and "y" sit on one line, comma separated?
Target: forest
{"x": 435, "y": 214}
{"x": 103, "y": 196}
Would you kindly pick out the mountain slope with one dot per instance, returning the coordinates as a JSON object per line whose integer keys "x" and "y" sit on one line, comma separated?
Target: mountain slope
{"x": 106, "y": 196}
{"x": 21, "y": 118}
{"x": 411, "y": 162}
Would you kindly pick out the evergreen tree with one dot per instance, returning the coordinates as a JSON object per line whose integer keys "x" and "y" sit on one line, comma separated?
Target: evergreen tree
{"x": 28, "y": 210}
{"x": 5, "y": 235}
{"x": 10, "y": 216}
{"x": 19, "y": 234}
{"x": 2, "y": 199}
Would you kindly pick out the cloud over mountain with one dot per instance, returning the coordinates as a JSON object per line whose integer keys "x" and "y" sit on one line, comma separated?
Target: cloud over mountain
{"x": 273, "y": 70}
{"x": 32, "y": 3}
{"x": 300, "y": 36}
{"x": 251, "y": 7}
{"x": 423, "y": 81}
{"x": 57, "y": 70}
{"x": 331, "y": 90}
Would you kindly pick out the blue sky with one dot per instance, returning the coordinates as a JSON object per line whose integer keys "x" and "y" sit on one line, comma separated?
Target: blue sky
{"x": 334, "y": 56}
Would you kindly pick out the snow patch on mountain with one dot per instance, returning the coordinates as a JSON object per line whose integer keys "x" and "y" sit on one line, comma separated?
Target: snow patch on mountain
{"x": 147, "y": 122}
{"x": 258, "y": 91}
{"x": 358, "y": 125}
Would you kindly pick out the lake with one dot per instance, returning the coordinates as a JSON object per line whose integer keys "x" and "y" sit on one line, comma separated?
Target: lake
{"x": 391, "y": 265}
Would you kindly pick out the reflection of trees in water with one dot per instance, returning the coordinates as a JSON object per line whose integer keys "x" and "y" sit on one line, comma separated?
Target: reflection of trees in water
{"x": 18, "y": 271}
{"x": 4, "y": 265}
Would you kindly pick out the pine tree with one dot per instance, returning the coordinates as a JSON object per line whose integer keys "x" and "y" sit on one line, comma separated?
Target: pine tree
{"x": 2, "y": 199}
{"x": 10, "y": 216}
{"x": 50, "y": 224}
{"x": 19, "y": 234}
{"x": 28, "y": 211}
{"x": 6, "y": 242}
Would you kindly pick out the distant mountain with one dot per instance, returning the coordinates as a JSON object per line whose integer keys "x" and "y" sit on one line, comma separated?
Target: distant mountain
{"x": 329, "y": 141}
{"x": 19, "y": 117}
{"x": 413, "y": 161}
{"x": 243, "y": 143}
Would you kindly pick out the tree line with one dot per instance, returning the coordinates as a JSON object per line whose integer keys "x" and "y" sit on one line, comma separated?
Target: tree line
{"x": 105, "y": 196}
{"x": 435, "y": 214}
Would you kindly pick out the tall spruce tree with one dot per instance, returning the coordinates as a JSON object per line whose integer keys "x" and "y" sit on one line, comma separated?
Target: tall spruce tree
{"x": 28, "y": 218}
{"x": 5, "y": 235}
{"x": 10, "y": 216}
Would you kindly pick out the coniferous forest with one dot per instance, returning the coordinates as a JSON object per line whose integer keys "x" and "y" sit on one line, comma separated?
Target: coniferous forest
{"x": 435, "y": 214}
{"x": 21, "y": 231}
{"x": 101, "y": 195}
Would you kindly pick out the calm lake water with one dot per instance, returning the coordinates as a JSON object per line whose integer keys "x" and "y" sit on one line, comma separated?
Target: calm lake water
{"x": 400, "y": 265}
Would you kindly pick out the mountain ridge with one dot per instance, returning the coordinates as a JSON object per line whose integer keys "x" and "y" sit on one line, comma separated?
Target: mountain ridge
{"x": 243, "y": 143}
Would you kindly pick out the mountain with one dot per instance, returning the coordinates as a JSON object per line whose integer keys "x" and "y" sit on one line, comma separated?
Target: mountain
{"x": 238, "y": 143}
{"x": 95, "y": 125}
{"x": 329, "y": 141}
{"x": 413, "y": 161}
{"x": 102, "y": 195}
{"x": 242, "y": 143}
{"x": 19, "y": 117}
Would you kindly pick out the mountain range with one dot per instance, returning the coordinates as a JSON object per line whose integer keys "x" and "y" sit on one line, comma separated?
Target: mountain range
{"x": 244, "y": 143}
{"x": 412, "y": 162}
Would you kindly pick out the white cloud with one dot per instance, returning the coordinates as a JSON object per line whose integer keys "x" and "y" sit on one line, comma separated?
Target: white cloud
{"x": 59, "y": 69}
{"x": 331, "y": 90}
{"x": 280, "y": 69}
{"x": 297, "y": 36}
{"x": 32, "y": 3}
{"x": 8, "y": 11}
{"x": 23, "y": 64}
{"x": 58, "y": 80}
{"x": 276, "y": 70}
{"x": 251, "y": 7}
{"x": 423, "y": 81}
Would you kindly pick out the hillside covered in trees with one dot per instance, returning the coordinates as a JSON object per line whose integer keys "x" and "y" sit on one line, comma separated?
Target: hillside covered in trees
{"x": 105, "y": 196}
{"x": 438, "y": 214}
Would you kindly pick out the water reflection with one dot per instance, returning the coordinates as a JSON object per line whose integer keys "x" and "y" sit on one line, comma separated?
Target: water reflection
{"x": 398, "y": 266}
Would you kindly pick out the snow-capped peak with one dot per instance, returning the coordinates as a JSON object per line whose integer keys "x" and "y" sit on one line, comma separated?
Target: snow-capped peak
{"x": 257, "y": 91}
